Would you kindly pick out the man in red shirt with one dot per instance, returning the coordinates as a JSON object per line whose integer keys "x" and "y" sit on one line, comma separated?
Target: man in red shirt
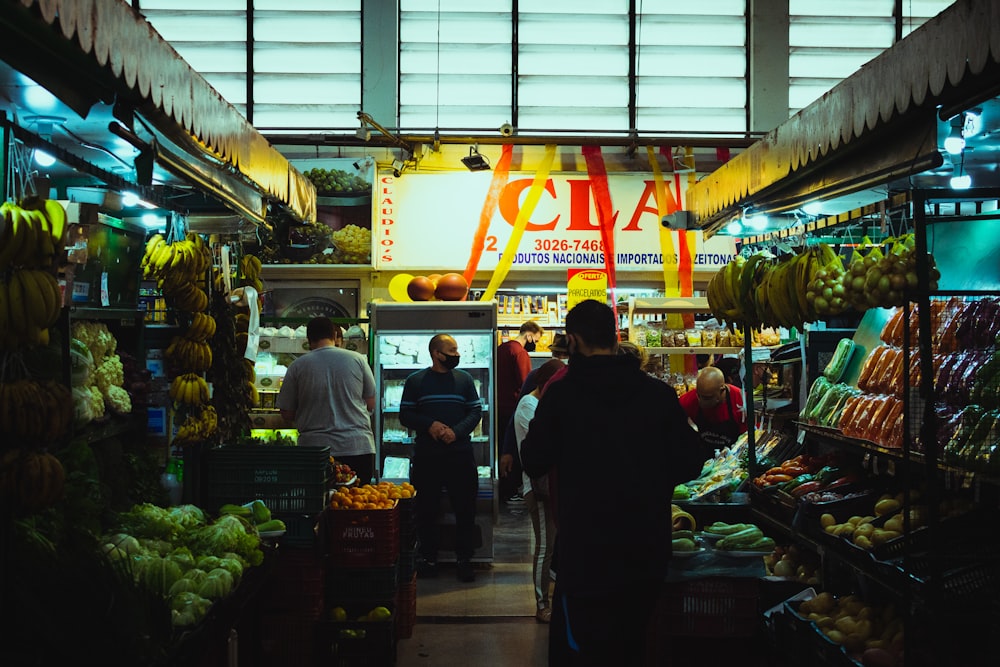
{"x": 716, "y": 408}
{"x": 512, "y": 367}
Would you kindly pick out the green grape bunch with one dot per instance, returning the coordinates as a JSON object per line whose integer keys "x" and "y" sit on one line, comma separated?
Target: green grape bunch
{"x": 336, "y": 182}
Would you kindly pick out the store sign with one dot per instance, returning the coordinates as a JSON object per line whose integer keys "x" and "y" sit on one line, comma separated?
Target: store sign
{"x": 583, "y": 284}
{"x": 428, "y": 221}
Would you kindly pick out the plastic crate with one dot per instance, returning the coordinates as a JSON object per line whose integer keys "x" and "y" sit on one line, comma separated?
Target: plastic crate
{"x": 300, "y": 530}
{"x": 775, "y": 503}
{"x": 357, "y": 583}
{"x": 407, "y": 563}
{"x": 355, "y": 643}
{"x": 406, "y": 608}
{"x": 360, "y": 538}
{"x": 407, "y": 522}
{"x": 295, "y": 584}
{"x": 712, "y": 607}
{"x": 287, "y": 639}
{"x": 287, "y": 479}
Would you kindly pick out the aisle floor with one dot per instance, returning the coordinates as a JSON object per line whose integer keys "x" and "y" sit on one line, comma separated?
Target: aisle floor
{"x": 491, "y": 622}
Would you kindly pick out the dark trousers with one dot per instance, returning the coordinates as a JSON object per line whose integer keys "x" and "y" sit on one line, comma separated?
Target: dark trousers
{"x": 454, "y": 472}
{"x": 363, "y": 466}
{"x": 607, "y": 630}
{"x": 507, "y": 443}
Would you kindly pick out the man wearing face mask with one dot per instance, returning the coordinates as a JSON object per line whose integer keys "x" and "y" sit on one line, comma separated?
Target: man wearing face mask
{"x": 442, "y": 406}
{"x": 512, "y": 368}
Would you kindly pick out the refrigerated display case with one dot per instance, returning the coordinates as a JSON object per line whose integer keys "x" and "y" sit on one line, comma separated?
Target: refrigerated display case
{"x": 400, "y": 334}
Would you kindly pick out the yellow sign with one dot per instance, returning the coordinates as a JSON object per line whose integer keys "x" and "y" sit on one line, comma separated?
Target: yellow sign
{"x": 583, "y": 284}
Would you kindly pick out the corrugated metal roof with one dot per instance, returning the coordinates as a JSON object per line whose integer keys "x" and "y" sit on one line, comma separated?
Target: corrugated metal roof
{"x": 952, "y": 60}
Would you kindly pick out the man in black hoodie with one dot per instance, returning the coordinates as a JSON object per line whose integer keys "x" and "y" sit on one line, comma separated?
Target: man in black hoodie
{"x": 619, "y": 442}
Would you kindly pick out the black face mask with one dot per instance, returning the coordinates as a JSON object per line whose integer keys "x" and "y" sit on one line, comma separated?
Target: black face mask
{"x": 529, "y": 346}
{"x": 450, "y": 361}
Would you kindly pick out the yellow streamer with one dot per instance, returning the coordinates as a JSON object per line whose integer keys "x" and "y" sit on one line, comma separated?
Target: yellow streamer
{"x": 664, "y": 204}
{"x": 530, "y": 202}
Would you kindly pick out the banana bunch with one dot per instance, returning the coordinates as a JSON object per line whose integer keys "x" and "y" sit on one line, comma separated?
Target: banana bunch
{"x": 187, "y": 259}
{"x": 30, "y": 303}
{"x": 783, "y": 293}
{"x": 32, "y": 234}
{"x": 186, "y": 296}
{"x": 731, "y": 294}
{"x": 189, "y": 355}
{"x": 202, "y": 327}
{"x": 253, "y": 393}
{"x": 30, "y": 480}
{"x": 197, "y": 427}
{"x": 189, "y": 389}
{"x": 249, "y": 272}
{"x": 35, "y": 411}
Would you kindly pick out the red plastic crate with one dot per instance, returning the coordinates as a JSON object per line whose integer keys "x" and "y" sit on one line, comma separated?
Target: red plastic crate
{"x": 295, "y": 584}
{"x": 711, "y": 607}
{"x": 406, "y": 609}
{"x": 287, "y": 639}
{"x": 361, "y": 538}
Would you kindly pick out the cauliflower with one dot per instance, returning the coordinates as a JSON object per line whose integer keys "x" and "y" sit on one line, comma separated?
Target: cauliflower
{"x": 96, "y": 402}
{"x": 118, "y": 400}
{"x": 83, "y": 410}
{"x": 96, "y": 337}
{"x": 109, "y": 373}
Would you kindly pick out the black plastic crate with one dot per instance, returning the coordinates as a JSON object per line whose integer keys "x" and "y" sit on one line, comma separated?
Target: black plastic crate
{"x": 286, "y": 639}
{"x": 287, "y": 479}
{"x": 295, "y": 583}
{"x": 356, "y": 643}
{"x": 300, "y": 530}
{"x": 359, "y": 583}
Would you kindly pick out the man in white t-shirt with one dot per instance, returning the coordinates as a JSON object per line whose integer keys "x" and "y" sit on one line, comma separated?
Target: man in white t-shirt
{"x": 329, "y": 394}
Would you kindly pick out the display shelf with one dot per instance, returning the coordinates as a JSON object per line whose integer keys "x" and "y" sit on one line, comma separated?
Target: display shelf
{"x": 419, "y": 367}
{"x": 126, "y": 316}
{"x": 691, "y": 304}
{"x": 109, "y": 427}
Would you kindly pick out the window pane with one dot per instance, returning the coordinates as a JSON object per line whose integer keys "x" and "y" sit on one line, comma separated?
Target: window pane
{"x": 829, "y": 41}
{"x": 454, "y": 68}
{"x": 691, "y": 67}
{"x": 918, "y": 12}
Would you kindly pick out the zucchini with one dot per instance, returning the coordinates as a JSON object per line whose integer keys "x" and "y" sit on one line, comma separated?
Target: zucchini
{"x": 741, "y": 539}
{"x": 683, "y": 534}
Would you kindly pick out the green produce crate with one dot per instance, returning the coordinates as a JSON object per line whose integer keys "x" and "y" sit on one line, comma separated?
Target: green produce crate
{"x": 354, "y": 643}
{"x": 290, "y": 480}
{"x": 360, "y": 583}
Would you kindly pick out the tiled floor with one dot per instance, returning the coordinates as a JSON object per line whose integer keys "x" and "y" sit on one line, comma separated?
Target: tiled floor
{"x": 488, "y": 622}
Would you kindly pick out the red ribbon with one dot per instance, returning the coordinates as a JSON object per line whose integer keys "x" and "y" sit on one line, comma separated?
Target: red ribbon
{"x": 605, "y": 213}
{"x": 501, "y": 172}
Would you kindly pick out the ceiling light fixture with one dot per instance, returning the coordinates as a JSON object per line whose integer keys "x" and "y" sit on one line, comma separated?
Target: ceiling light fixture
{"x": 954, "y": 143}
{"x": 475, "y": 161}
{"x": 43, "y": 159}
{"x": 734, "y": 228}
{"x": 961, "y": 180}
{"x": 756, "y": 222}
{"x": 130, "y": 199}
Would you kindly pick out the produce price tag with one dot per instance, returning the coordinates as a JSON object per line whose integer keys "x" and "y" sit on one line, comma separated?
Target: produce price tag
{"x": 801, "y": 437}
{"x": 105, "y": 299}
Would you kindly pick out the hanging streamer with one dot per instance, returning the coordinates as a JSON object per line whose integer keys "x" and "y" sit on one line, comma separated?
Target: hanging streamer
{"x": 501, "y": 173}
{"x": 523, "y": 215}
{"x": 665, "y": 205}
{"x": 688, "y": 245}
{"x": 598, "y": 175}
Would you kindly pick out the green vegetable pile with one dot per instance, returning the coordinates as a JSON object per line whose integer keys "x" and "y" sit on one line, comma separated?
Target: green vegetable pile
{"x": 336, "y": 181}
{"x": 179, "y": 555}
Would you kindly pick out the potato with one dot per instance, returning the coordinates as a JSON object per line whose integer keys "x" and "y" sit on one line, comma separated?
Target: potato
{"x": 846, "y": 624}
{"x": 824, "y": 622}
{"x": 878, "y": 657}
{"x": 823, "y": 603}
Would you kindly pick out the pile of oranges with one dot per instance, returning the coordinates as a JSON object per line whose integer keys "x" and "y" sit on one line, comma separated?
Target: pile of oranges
{"x": 381, "y": 496}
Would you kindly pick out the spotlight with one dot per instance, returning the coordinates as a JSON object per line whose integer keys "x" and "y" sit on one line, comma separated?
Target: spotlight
{"x": 954, "y": 143}
{"x": 357, "y": 166}
{"x": 130, "y": 199}
{"x": 363, "y": 133}
{"x": 397, "y": 167}
{"x": 961, "y": 182}
{"x": 474, "y": 161}
{"x": 756, "y": 222}
{"x": 734, "y": 228}
{"x": 43, "y": 159}
{"x": 813, "y": 208}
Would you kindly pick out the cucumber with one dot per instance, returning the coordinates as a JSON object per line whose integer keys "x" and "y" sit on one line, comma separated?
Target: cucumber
{"x": 272, "y": 525}
{"x": 721, "y": 528}
{"x": 683, "y": 534}
{"x": 741, "y": 539}
{"x": 841, "y": 357}
{"x": 238, "y": 510}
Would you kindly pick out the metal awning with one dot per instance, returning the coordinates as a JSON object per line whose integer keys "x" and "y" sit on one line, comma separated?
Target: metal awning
{"x": 102, "y": 51}
{"x": 878, "y": 125}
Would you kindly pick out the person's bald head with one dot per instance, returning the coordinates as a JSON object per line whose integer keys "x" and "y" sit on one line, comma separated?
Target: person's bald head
{"x": 711, "y": 387}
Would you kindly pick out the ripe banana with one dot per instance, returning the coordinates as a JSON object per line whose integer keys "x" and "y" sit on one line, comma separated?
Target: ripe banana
{"x": 17, "y": 307}
{"x": 56, "y": 215}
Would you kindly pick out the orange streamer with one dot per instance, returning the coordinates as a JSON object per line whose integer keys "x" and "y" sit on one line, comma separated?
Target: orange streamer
{"x": 501, "y": 172}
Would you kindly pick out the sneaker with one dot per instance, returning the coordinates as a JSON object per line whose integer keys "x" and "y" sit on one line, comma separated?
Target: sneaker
{"x": 465, "y": 572}
{"x": 426, "y": 570}
{"x": 544, "y": 615}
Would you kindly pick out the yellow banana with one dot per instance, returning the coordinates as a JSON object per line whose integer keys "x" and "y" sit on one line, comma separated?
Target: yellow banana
{"x": 17, "y": 308}
{"x": 20, "y": 235}
{"x": 56, "y": 215}
{"x": 35, "y": 306}
{"x": 52, "y": 284}
{"x": 44, "y": 249}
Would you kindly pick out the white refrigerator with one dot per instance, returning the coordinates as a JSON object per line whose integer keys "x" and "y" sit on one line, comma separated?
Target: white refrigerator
{"x": 400, "y": 334}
